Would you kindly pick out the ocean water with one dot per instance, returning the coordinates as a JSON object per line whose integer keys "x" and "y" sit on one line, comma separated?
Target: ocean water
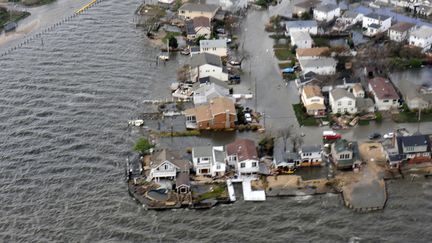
{"x": 64, "y": 142}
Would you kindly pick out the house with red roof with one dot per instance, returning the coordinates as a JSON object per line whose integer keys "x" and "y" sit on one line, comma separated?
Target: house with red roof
{"x": 384, "y": 94}
{"x": 243, "y": 155}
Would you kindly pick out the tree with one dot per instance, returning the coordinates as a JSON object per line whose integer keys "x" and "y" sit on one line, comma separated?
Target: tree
{"x": 172, "y": 42}
{"x": 285, "y": 133}
{"x": 142, "y": 146}
{"x": 183, "y": 73}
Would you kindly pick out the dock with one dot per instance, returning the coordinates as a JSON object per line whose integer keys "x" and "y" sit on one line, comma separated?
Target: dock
{"x": 249, "y": 194}
{"x": 231, "y": 191}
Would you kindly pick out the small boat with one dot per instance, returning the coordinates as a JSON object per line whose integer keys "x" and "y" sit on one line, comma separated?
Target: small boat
{"x": 164, "y": 57}
{"x": 185, "y": 52}
{"x": 136, "y": 123}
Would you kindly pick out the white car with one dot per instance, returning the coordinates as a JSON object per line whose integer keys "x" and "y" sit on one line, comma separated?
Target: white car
{"x": 248, "y": 117}
{"x": 388, "y": 135}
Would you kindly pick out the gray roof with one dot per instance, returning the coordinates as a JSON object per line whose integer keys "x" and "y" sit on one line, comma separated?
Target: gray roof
{"x": 350, "y": 14}
{"x": 375, "y": 26}
{"x": 413, "y": 141}
{"x": 339, "y": 93}
{"x": 326, "y": 7}
{"x": 364, "y": 104}
{"x": 310, "y": 148}
{"x": 422, "y": 32}
{"x": 182, "y": 179}
{"x": 376, "y": 16}
{"x": 162, "y": 155}
{"x": 324, "y": 61}
{"x": 301, "y": 23}
{"x": 190, "y": 28}
{"x": 285, "y": 157}
{"x": 220, "y": 43}
{"x": 343, "y": 145}
{"x": 205, "y": 58}
{"x": 199, "y": 7}
{"x": 213, "y": 80}
{"x": 202, "y": 151}
{"x": 220, "y": 155}
{"x": 301, "y": 36}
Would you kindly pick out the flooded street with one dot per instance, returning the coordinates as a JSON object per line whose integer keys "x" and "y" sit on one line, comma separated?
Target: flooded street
{"x": 63, "y": 112}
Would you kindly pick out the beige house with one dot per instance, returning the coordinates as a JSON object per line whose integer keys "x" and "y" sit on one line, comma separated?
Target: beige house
{"x": 313, "y": 100}
{"x": 193, "y": 10}
{"x": 220, "y": 113}
{"x": 312, "y": 53}
{"x": 358, "y": 91}
{"x": 198, "y": 26}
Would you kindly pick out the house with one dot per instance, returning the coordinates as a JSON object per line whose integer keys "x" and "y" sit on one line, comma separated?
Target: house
{"x": 416, "y": 96}
{"x": 301, "y": 39}
{"x": 309, "y": 26}
{"x": 305, "y": 7}
{"x": 166, "y": 1}
{"x": 243, "y": 154}
{"x": 424, "y": 10}
{"x": 216, "y": 47}
{"x": 374, "y": 24}
{"x": 194, "y": 50}
{"x": 208, "y": 91}
{"x": 415, "y": 148}
{"x": 326, "y": 12}
{"x": 322, "y": 66}
{"x": 286, "y": 161}
{"x": 198, "y": 26}
{"x": 310, "y": 155}
{"x": 342, "y": 101}
{"x": 384, "y": 94}
{"x": 421, "y": 37}
{"x": 307, "y": 78}
{"x": 400, "y": 31}
{"x": 208, "y": 160}
{"x": 364, "y": 105}
{"x": 166, "y": 165}
{"x": 346, "y": 20}
{"x": 313, "y": 100}
{"x": 345, "y": 154}
{"x": 182, "y": 183}
{"x": 220, "y": 113}
{"x": 312, "y": 53}
{"x": 205, "y": 65}
{"x": 192, "y": 10}
{"x": 358, "y": 91}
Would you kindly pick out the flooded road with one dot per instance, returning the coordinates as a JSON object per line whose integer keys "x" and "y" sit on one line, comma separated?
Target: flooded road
{"x": 63, "y": 113}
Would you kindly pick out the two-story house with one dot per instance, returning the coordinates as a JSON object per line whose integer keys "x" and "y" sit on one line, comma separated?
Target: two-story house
{"x": 341, "y": 101}
{"x": 374, "y": 24}
{"x": 414, "y": 149}
{"x": 421, "y": 37}
{"x": 310, "y": 155}
{"x": 208, "y": 160}
{"x": 313, "y": 100}
{"x": 326, "y": 12}
{"x": 242, "y": 153}
{"x": 192, "y": 10}
{"x": 345, "y": 154}
{"x": 309, "y": 26}
{"x": 219, "y": 113}
{"x": 207, "y": 64}
{"x": 216, "y": 47}
{"x": 400, "y": 31}
{"x": 321, "y": 66}
{"x": 166, "y": 165}
{"x": 198, "y": 26}
{"x": 384, "y": 94}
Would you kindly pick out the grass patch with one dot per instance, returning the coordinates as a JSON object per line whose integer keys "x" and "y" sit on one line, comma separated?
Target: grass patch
{"x": 411, "y": 116}
{"x": 187, "y": 133}
{"x": 302, "y": 117}
{"x": 219, "y": 191}
{"x": 363, "y": 122}
{"x": 321, "y": 42}
{"x": 283, "y": 53}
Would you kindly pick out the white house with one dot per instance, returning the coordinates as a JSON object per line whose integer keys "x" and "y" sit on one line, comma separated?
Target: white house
{"x": 207, "y": 92}
{"x": 309, "y": 26}
{"x": 384, "y": 94}
{"x": 301, "y": 39}
{"x": 243, "y": 155}
{"x": 421, "y": 37}
{"x": 374, "y": 24}
{"x": 165, "y": 165}
{"x": 311, "y": 154}
{"x": 400, "y": 31}
{"x": 205, "y": 65}
{"x": 208, "y": 160}
{"x": 313, "y": 100}
{"x": 342, "y": 101}
{"x": 326, "y": 12}
{"x": 216, "y": 47}
{"x": 322, "y": 66}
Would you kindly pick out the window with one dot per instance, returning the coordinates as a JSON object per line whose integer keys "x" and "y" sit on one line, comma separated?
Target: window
{"x": 341, "y": 156}
{"x": 254, "y": 164}
{"x": 338, "y": 110}
{"x": 242, "y": 165}
{"x": 386, "y": 101}
{"x": 345, "y": 109}
{"x": 166, "y": 167}
{"x": 218, "y": 167}
{"x": 350, "y": 102}
{"x": 339, "y": 103}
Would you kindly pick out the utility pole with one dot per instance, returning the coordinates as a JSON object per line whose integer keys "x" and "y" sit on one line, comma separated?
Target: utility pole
{"x": 419, "y": 118}
{"x": 256, "y": 96}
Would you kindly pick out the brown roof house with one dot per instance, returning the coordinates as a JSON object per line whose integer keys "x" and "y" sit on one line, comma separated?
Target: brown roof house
{"x": 198, "y": 26}
{"x": 313, "y": 100}
{"x": 384, "y": 94}
{"x": 242, "y": 154}
{"x": 220, "y": 113}
{"x": 166, "y": 164}
{"x": 312, "y": 53}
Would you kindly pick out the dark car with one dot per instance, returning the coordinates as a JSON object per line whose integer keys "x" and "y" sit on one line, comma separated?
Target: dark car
{"x": 375, "y": 135}
{"x": 234, "y": 78}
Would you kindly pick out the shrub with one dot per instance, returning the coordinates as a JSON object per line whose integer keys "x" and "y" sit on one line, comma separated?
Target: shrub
{"x": 241, "y": 127}
{"x": 378, "y": 117}
{"x": 142, "y": 145}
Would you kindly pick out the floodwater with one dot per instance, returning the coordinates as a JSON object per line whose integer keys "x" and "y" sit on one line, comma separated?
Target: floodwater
{"x": 63, "y": 112}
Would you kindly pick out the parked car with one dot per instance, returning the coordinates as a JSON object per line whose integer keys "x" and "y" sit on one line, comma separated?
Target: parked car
{"x": 234, "y": 78}
{"x": 234, "y": 63}
{"x": 248, "y": 117}
{"x": 220, "y": 30}
{"x": 374, "y": 135}
{"x": 388, "y": 135}
{"x": 331, "y": 135}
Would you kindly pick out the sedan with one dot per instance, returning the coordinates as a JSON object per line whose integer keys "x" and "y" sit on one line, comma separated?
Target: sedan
{"x": 388, "y": 135}
{"x": 374, "y": 135}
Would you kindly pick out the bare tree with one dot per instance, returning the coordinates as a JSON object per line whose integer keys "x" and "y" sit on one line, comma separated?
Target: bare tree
{"x": 285, "y": 134}
{"x": 183, "y": 73}
{"x": 297, "y": 142}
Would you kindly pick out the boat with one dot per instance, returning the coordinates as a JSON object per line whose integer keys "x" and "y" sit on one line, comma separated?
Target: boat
{"x": 185, "y": 52}
{"x": 165, "y": 57}
{"x": 136, "y": 123}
